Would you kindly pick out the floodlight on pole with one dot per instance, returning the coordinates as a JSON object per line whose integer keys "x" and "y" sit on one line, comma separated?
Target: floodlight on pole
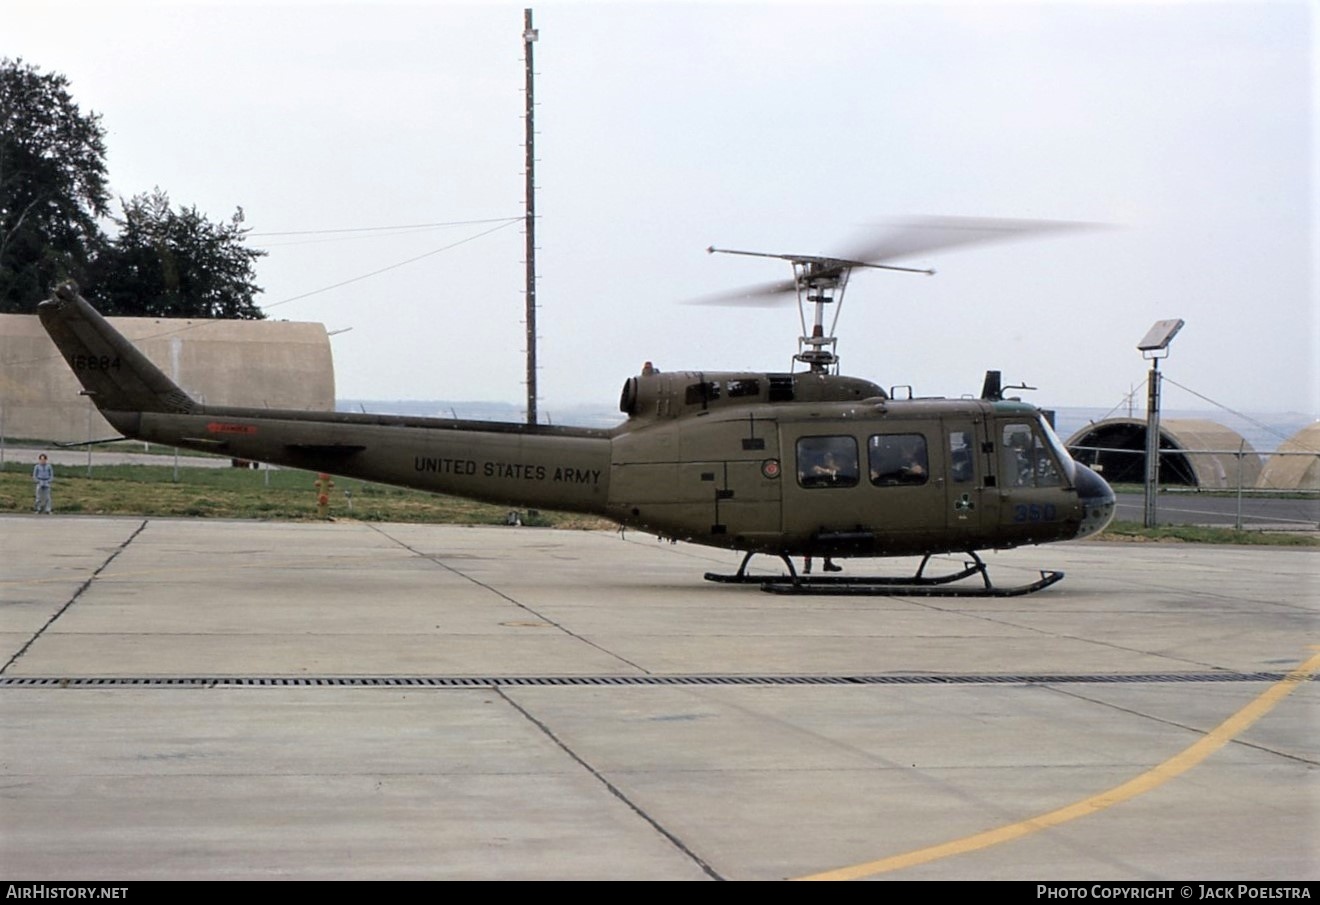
{"x": 1154, "y": 346}
{"x": 1158, "y": 337}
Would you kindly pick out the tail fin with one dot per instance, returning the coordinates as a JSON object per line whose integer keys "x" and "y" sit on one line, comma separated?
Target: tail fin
{"x": 112, "y": 371}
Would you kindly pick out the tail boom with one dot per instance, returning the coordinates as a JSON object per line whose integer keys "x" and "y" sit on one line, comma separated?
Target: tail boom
{"x": 525, "y": 465}
{"x": 511, "y": 464}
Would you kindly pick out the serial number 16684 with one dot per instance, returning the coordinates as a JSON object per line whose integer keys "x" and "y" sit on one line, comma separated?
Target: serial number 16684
{"x": 95, "y": 362}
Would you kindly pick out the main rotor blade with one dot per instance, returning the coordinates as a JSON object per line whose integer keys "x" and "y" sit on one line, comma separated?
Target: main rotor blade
{"x": 764, "y": 295}
{"x": 889, "y": 241}
{"x": 918, "y": 235}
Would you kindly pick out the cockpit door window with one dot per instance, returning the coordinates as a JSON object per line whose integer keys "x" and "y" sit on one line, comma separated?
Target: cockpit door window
{"x": 1026, "y": 458}
{"x": 962, "y": 460}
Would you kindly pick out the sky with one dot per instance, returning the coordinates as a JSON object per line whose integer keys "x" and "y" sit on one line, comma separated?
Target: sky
{"x": 1184, "y": 133}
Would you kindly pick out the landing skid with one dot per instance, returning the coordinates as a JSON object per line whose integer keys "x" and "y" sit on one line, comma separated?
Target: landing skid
{"x": 918, "y": 585}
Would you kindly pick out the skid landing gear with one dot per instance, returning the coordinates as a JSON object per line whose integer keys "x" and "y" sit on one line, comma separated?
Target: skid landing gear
{"x": 918, "y": 585}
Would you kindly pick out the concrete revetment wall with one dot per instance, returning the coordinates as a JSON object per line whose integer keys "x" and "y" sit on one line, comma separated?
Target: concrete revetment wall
{"x": 262, "y": 364}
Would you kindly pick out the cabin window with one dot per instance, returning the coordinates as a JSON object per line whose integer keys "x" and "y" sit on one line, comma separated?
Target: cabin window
{"x": 1026, "y": 459}
{"x": 962, "y": 464}
{"x": 701, "y": 393}
{"x": 783, "y": 387}
{"x": 827, "y": 462}
{"x": 898, "y": 459}
{"x": 743, "y": 387}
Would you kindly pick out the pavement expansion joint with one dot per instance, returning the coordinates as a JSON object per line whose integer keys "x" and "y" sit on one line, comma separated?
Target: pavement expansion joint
{"x": 385, "y": 681}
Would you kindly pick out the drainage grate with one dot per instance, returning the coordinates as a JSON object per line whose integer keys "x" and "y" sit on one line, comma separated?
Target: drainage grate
{"x": 625, "y": 681}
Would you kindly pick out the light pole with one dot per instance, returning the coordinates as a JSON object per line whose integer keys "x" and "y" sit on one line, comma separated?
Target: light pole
{"x": 1154, "y": 346}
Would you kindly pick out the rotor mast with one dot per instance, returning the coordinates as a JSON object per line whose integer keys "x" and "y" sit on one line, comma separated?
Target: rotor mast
{"x": 818, "y": 281}
{"x": 818, "y": 288}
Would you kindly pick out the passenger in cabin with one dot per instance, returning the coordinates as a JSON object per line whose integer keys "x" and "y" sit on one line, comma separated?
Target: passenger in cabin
{"x": 827, "y": 468}
{"x": 913, "y": 468}
{"x": 898, "y": 459}
{"x": 827, "y": 461}
{"x": 962, "y": 465}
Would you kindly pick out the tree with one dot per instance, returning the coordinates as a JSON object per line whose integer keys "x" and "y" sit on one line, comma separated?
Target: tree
{"x": 52, "y": 184}
{"x": 167, "y": 263}
{"x": 162, "y": 263}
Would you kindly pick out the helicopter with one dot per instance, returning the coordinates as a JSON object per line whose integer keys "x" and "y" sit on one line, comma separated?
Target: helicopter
{"x": 800, "y": 463}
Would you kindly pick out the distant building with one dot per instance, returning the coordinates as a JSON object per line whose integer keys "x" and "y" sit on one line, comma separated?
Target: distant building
{"x": 261, "y": 364}
{"x": 1197, "y": 453}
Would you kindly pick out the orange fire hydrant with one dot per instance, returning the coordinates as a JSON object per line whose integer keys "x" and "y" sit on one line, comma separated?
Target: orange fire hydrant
{"x": 323, "y": 486}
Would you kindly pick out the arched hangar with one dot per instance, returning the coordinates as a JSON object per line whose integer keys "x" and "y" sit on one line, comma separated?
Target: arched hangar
{"x": 1300, "y": 468}
{"x": 1202, "y": 454}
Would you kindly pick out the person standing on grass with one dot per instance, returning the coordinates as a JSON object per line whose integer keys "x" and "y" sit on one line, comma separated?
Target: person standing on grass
{"x": 43, "y": 475}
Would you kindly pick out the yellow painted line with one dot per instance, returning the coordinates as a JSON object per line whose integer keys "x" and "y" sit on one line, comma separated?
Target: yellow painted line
{"x": 1151, "y": 779}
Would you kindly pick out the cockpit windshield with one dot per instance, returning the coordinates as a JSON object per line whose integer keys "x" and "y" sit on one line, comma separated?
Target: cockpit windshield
{"x": 1060, "y": 451}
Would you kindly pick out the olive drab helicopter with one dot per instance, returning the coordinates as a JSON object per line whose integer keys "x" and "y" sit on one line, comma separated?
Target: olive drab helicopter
{"x": 800, "y": 463}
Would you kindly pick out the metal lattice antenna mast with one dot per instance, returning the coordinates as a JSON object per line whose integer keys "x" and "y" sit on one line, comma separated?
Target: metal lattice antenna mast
{"x": 529, "y": 38}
